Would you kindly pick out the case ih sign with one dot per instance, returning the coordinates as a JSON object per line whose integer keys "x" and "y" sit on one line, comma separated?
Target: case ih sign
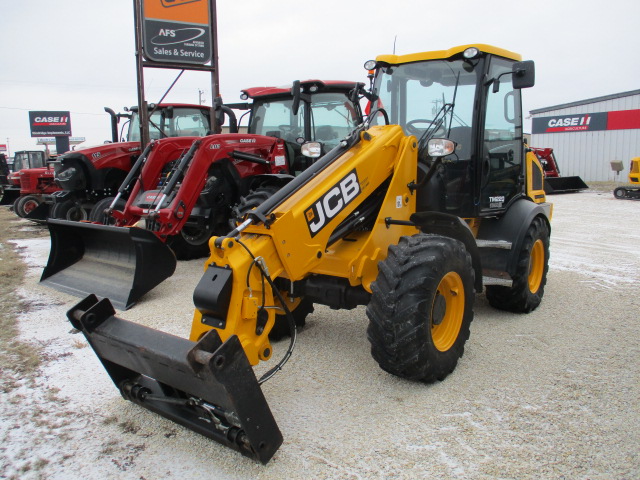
{"x": 48, "y": 124}
{"x": 587, "y": 122}
{"x": 177, "y": 31}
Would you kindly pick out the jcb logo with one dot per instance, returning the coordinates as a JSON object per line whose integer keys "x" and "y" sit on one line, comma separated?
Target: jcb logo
{"x": 175, "y": 3}
{"x": 332, "y": 203}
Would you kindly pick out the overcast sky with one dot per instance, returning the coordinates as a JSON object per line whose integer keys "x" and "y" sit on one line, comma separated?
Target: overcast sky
{"x": 78, "y": 55}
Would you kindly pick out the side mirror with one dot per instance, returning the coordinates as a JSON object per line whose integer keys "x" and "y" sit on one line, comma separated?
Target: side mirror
{"x": 295, "y": 92}
{"x": 524, "y": 74}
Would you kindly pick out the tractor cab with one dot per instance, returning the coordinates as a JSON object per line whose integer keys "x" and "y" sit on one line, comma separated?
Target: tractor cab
{"x": 471, "y": 96}
{"x": 312, "y": 116}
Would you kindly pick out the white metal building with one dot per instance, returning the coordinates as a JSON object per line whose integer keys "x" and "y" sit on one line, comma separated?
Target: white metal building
{"x": 588, "y": 135}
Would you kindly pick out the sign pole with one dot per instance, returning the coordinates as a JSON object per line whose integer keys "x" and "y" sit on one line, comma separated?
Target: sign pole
{"x": 215, "y": 80}
{"x": 143, "y": 114}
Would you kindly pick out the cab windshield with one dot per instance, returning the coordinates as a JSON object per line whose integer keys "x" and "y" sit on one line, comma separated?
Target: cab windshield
{"x": 184, "y": 122}
{"x": 417, "y": 95}
{"x": 332, "y": 118}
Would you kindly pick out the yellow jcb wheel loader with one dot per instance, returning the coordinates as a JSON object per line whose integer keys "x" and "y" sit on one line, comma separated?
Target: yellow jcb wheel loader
{"x": 431, "y": 200}
{"x": 630, "y": 192}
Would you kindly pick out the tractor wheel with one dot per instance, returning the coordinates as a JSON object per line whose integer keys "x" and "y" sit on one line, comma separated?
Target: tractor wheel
{"x": 190, "y": 242}
{"x": 24, "y": 205}
{"x": 620, "y": 193}
{"x": 97, "y": 214}
{"x": 252, "y": 200}
{"x": 527, "y": 290}
{"x": 300, "y": 310}
{"x": 421, "y": 307}
{"x": 69, "y": 210}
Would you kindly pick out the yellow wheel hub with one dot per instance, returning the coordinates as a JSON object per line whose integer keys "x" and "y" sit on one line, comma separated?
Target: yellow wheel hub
{"x": 447, "y": 311}
{"x": 536, "y": 266}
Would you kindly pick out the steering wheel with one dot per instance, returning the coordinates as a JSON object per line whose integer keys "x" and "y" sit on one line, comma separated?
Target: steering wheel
{"x": 289, "y": 132}
{"x": 412, "y": 129}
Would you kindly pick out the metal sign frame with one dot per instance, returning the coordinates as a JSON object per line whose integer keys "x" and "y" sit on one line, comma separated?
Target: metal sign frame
{"x": 143, "y": 60}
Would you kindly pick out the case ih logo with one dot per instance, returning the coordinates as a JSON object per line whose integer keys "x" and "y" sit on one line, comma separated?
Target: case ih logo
{"x": 332, "y": 203}
{"x": 588, "y": 122}
{"x": 47, "y": 124}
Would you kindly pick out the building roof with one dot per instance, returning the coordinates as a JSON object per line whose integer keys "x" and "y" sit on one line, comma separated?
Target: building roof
{"x": 585, "y": 102}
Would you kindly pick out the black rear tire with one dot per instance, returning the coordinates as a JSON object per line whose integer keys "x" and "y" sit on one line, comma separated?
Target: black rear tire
{"x": 97, "y": 214}
{"x": 527, "y": 290}
{"x": 421, "y": 307}
{"x": 252, "y": 200}
{"x": 69, "y": 210}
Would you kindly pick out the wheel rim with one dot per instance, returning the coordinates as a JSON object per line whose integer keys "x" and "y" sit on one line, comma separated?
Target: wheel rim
{"x": 196, "y": 236}
{"x": 447, "y": 311}
{"x": 536, "y": 266}
{"x": 29, "y": 206}
{"x": 76, "y": 214}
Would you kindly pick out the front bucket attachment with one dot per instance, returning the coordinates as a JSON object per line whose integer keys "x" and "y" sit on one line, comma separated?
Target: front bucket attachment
{"x": 563, "y": 185}
{"x": 208, "y": 387}
{"x": 118, "y": 263}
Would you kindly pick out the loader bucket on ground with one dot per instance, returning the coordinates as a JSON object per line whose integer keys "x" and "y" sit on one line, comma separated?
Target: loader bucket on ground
{"x": 208, "y": 387}
{"x": 118, "y": 263}
{"x": 563, "y": 185}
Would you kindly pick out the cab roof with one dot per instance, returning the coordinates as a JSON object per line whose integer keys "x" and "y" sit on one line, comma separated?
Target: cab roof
{"x": 323, "y": 85}
{"x": 444, "y": 54}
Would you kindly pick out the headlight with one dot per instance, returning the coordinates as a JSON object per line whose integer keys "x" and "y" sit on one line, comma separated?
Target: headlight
{"x": 312, "y": 149}
{"x": 66, "y": 175}
{"x": 471, "y": 52}
{"x": 440, "y": 147}
{"x": 370, "y": 65}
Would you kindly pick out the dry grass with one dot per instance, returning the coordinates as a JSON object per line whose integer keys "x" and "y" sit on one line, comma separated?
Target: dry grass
{"x": 16, "y": 357}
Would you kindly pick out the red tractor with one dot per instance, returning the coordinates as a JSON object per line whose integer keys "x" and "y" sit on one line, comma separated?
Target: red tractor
{"x": 10, "y": 187}
{"x": 36, "y": 187}
{"x": 182, "y": 191}
{"x": 85, "y": 176}
{"x": 553, "y": 181}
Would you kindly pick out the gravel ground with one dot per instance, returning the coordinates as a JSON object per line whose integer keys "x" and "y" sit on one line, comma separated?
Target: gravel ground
{"x": 552, "y": 394}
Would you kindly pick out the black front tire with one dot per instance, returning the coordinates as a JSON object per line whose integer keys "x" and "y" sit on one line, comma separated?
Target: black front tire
{"x": 69, "y": 210}
{"x": 24, "y": 205}
{"x": 620, "y": 193}
{"x": 190, "y": 242}
{"x": 421, "y": 307}
{"x": 527, "y": 290}
{"x": 281, "y": 327}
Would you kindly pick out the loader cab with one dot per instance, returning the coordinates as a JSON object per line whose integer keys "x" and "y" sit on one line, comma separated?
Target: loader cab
{"x": 310, "y": 112}
{"x": 470, "y": 95}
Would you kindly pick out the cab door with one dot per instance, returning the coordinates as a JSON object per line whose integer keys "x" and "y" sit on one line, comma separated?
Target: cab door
{"x": 501, "y": 167}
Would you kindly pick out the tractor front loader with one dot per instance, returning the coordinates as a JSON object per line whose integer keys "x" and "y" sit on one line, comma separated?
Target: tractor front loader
{"x": 183, "y": 190}
{"x": 427, "y": 203}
